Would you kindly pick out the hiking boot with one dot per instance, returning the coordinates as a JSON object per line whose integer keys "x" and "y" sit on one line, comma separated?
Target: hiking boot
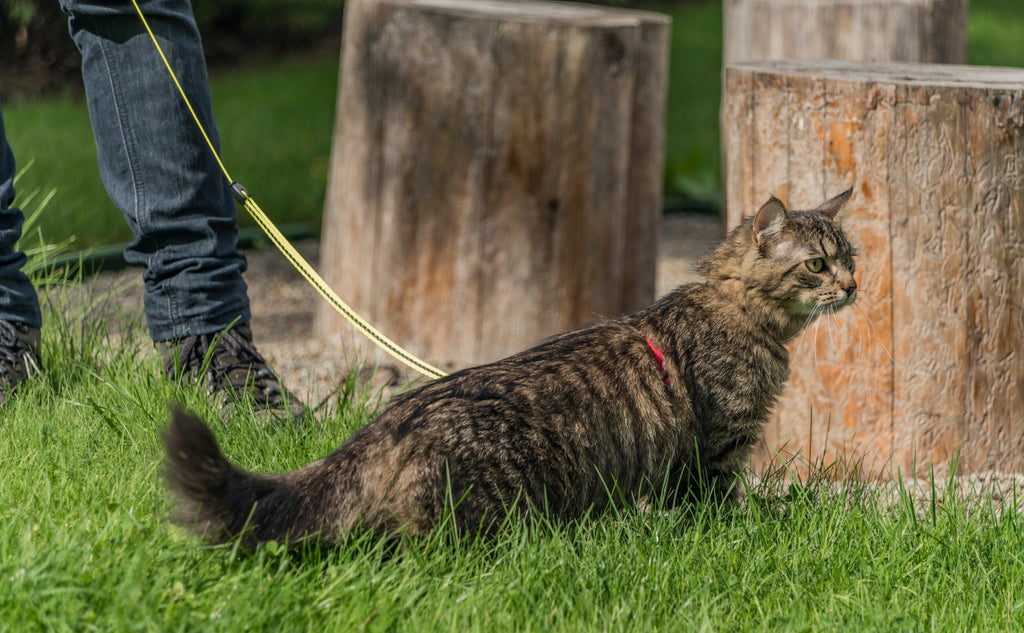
{"x": 19, "y": 356}
{"x": 233, "y": 368}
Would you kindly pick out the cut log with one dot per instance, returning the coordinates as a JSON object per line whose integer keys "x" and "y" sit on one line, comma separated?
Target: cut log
{"x": 496, "y": 171}
{"x": 919, "y": 31}
{"x": 863, "y": 30}
{"x": 930, "y": 361}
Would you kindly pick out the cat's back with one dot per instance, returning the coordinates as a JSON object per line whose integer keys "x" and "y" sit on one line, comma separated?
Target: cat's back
{"x": 580, "y": 381}
{"x": 548, "y": 422}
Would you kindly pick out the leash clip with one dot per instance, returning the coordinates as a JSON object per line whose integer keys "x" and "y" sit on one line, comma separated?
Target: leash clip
{"x": 240, "y": 193}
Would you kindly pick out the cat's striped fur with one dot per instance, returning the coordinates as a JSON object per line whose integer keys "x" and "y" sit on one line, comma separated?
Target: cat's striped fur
{"x": 588, "y": 418}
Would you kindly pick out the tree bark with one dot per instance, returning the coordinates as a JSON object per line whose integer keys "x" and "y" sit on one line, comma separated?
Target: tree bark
{"x": 930, "y": 361}
{"x": 496, "y": 171}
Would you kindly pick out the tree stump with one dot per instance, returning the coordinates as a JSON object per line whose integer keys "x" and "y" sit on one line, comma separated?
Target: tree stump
{"x": 930, "y": 361}
{"x": 863, "y": 30}
{"x": 496, "y": 171}
{"x": 919, "y": 31}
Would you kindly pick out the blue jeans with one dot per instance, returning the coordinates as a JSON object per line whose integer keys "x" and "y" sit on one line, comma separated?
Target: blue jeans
{"x": 18, "y": 300}
{"x": 156, "y": 167}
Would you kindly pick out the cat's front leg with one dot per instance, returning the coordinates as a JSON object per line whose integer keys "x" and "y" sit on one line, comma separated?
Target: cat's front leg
{"x": 725, "y": 485}
{"x": 721, "y": 473}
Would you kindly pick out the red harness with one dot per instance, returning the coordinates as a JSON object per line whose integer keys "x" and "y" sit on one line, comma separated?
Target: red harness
{"x": 660, "y": 357}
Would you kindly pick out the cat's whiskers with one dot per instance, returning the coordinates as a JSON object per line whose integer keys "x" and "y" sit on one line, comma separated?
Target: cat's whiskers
{"x": 817, "y": 328}
{"x": 863, "y": 308}
{"x": 866, "y": 337}
{"x": 810, "y": 318}
{"x": 861, "y": 343}
{"x": 816, "y": 310}
{"x": 828, "y": 314}
{"x": 874, "y": 332}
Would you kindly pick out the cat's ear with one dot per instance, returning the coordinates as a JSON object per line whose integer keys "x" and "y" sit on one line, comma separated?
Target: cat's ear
{"x": 830, "y": 208}
{"x": 771, "y": 218}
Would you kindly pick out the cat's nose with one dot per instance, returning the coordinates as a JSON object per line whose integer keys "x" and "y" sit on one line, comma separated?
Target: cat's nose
{"x": 851, "y": 286}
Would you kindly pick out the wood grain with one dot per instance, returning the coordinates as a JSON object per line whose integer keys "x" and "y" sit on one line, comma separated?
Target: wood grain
{"x": 930, "y": 363}
{"x": 496, "y": 171}
{"x": 920, "y": 31}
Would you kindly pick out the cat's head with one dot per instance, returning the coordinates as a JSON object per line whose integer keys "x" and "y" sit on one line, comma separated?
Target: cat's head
{"x": 799, "y": 264}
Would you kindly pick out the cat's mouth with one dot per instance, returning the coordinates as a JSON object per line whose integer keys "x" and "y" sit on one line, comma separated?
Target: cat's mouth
{"x": 825, "y": 305}
{"x": 841, "y": 301}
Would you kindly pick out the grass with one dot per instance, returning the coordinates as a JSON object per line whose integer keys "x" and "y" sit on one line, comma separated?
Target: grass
{"x": 84, "y": 544}
{"x": 995, "y": 33}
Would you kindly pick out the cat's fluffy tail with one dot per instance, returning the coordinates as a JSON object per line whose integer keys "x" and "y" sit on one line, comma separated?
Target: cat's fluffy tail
{"x": 217, "y": 499}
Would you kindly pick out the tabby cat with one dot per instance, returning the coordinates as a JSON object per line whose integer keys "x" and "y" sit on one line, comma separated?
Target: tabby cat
{"x": 667, "y": 401}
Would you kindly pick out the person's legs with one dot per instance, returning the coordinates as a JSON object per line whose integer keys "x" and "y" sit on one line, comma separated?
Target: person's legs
{"x": 18, "y": 300}
{"x": 19, "y": 305}
{"x": 156, "y": 166}
{"x": 160, "y": 172}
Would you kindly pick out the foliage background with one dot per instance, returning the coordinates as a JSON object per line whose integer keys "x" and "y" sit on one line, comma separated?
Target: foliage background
{"x": 274, "y": 66}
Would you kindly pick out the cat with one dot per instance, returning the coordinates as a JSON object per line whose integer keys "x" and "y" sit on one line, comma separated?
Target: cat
{"x": 666, "y": 402}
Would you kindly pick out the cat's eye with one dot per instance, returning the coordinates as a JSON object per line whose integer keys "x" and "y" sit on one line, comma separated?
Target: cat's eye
{"x": 815, "y": 265}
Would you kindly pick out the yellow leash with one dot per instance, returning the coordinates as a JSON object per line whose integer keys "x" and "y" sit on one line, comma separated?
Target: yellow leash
{"x": 282, "y": 243}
